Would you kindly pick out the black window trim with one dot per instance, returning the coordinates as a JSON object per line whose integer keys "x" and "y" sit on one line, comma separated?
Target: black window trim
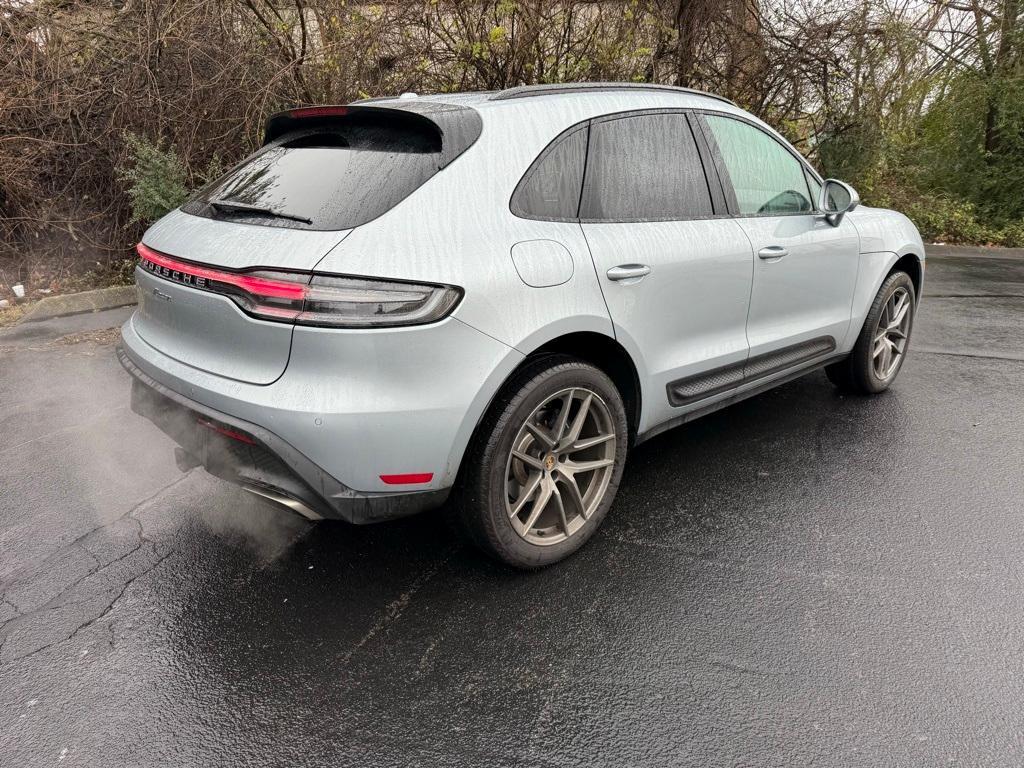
{"x": 723, "y": 196}
{"x": 723, "y": 172}
{"x": 719, "y": 200}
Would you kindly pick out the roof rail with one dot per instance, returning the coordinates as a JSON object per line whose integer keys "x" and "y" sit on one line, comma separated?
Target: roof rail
{"x": 525, "y": 91}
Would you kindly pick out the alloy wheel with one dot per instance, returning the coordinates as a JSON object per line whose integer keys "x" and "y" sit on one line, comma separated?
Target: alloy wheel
{"x": 892, "y": 333}
{"x": 560, "y": 465}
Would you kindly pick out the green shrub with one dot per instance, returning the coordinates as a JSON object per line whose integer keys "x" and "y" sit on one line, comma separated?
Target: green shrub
{"x": 1013, "y": 235}
{"x": 944, "y": 220}
{"x": 941, "y": 219}
{"x": 156, "y": 178}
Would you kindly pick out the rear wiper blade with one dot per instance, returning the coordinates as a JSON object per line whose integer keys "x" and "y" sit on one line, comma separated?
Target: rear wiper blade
{"x": 229, "y": 207}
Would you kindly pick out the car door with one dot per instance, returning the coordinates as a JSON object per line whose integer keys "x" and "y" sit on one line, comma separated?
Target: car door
{"x": 805, "y": 269}
{"x": 675, "y": 270}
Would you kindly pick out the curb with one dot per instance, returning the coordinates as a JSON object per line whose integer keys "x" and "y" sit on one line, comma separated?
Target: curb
{"x": 972, "y": 251}
{"x": 77, "y": 303}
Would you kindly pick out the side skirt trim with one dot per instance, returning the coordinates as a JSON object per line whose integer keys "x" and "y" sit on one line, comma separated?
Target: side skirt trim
{"x": 738, "y": 396}
{"x": 695, "y": 388}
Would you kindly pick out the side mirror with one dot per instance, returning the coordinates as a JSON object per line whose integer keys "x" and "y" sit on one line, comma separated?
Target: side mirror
{"x": 836, "y": 199}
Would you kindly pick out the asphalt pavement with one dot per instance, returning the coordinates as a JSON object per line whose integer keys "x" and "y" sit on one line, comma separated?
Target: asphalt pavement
{"x": 802, "y": 579}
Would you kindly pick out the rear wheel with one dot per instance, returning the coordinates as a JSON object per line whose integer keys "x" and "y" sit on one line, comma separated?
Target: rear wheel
{"x": 545, "y": 465}
{"x": 882, "y": 346}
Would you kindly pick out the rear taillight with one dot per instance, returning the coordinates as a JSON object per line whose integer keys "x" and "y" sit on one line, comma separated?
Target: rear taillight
{"x": 308, "y": 299}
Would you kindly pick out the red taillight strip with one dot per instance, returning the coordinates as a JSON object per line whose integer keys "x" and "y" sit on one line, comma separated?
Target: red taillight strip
{"x": 257, "y": 286}
{"x": 411, "y": 479}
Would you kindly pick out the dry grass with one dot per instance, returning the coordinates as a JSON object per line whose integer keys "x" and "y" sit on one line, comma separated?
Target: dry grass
{"x": 11, "y": 315}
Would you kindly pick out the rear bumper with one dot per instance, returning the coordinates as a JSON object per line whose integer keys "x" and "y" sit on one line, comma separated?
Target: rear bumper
{"x": 255, "y": 458}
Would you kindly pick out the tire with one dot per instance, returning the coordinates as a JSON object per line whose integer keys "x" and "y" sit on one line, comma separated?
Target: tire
{"x": 494, "y": 483}
{"x": 863, "y": 371}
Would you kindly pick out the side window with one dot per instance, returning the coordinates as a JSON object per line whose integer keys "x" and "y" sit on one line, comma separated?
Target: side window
{"x": 644, "y": 167}
{"x": 551, "y": 188}
{"x": 766, "y": 177}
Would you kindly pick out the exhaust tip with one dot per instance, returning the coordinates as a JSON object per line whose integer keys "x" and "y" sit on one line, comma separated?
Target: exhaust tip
{"x": 285, "y": 501}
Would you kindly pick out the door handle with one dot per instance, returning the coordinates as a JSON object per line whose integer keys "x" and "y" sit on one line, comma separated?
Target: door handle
{"x": 772, "y": 252}
{"x": 629, "y": 272}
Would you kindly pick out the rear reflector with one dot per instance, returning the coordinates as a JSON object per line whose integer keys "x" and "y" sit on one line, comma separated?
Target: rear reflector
{"x": 413, "y": 479}
{"x": 227, "y": 431}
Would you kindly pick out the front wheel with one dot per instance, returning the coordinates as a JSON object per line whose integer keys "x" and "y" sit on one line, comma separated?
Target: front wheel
{"x": 882, "y": 345}
{"x": 545, "y": 464}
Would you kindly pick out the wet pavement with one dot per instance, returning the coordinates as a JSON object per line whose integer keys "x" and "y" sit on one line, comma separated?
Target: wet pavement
{"x": 802, "y": 579}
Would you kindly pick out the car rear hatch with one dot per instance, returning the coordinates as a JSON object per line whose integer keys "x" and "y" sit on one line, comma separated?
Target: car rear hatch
{"x": 270, "y": 220}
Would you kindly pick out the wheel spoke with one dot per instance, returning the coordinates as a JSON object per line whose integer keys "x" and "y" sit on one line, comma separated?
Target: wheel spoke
{"x": 540, "y": 433}
{"x": 575, "y": 467}
{"x": 528, "y": 491}
{"x": 562, "y": 518}
{"x": 547, "y": 488}
{"x": 894, "y": 356}
{"x": 879, "y": 345}
{"x": 558, "y": 430}
{"x": 528, "y": 460}
{"x": 883, "y": 367}
{"x": 590, "y": 442}
{"x": 897, "y": 333}
{"x": 569, "y": 483}
{"x": 899, "y": 312}
{"x": 577, "y": 423}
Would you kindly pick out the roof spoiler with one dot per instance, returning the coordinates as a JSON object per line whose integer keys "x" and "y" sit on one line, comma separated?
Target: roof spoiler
{"x": 456, "y": 127}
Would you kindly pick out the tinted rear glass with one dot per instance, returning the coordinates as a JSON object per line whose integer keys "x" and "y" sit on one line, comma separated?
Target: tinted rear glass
{"x": 644, "y": 167}
{"x": 551, "y": 188}
{"x": 334, "y": 176}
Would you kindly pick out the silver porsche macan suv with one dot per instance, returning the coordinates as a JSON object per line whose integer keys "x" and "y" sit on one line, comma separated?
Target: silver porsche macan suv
{"x": 493, "y": 296}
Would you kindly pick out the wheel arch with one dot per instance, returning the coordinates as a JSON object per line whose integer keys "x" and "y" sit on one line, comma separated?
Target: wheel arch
{"x": 594, "y": 347}
{"x": 913, "y": 265}
{"x": 875, "y": 268}
{"x": 609, "y": 356}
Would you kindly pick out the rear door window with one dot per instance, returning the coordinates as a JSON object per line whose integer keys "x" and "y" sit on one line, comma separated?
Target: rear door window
{"x": 644, "y": 168}
{"x": 551, "y": 188}
{"x": 333, "y": 176}
{"x": 767, "y": 178}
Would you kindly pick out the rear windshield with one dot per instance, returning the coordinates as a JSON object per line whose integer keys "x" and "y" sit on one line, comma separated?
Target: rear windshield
{"x": 331, "y": 176}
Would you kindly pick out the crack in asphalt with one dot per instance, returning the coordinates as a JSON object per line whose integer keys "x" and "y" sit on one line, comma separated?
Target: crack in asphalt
{"x": 974, "y": 296}
{"x": 19, "y": 576}
{"x": 58, "y": 601}
{"x": 746, "y": 670}
{"x": 975, "y": 355}
{"x": 393, "y": 611}
{"x": 89, "y": 622}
